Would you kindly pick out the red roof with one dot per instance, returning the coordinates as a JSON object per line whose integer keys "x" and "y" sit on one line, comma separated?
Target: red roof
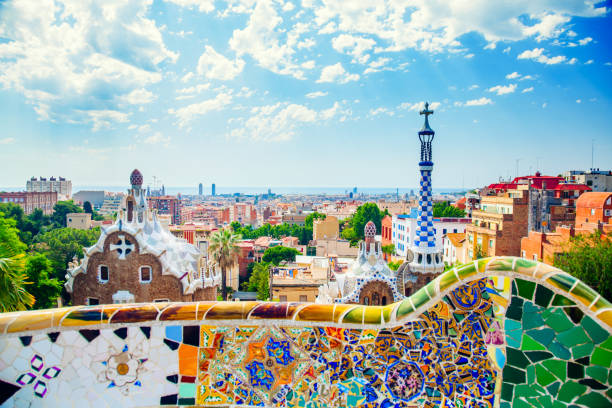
{"x": 582, "y": 187}
{"x": 537, "y": 181}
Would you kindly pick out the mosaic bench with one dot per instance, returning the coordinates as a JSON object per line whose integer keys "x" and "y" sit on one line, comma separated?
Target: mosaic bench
{"x": 499, "y": 332}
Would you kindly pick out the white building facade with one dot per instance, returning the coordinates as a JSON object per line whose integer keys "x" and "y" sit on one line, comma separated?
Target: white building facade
{"x": 60, "y": 185}
{"x": 404, "y": 230}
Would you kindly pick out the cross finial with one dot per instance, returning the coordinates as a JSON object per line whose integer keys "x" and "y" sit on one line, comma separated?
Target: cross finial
{"x": 426, "y": 111}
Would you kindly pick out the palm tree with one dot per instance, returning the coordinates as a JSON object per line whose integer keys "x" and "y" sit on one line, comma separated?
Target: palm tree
{"x": 224, "y": 250}
{"x": 13, "y": 295}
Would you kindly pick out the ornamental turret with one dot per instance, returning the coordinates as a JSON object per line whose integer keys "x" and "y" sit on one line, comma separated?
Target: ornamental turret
{"x": 427, "y": 257}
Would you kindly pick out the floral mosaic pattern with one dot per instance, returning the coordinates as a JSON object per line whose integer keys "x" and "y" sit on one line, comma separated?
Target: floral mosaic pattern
{"x": 500, "y": 332}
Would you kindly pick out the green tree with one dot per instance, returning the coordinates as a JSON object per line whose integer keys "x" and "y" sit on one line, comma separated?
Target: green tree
{"x": 87, "y": 207}
{"x": 311, "y": 217}
{"x": 444, "y": 209}
{"x": 394, "y": 266}
{"x": 224, "y": 250}
{"x": 61, "y": 245}
{"x": 589, "y": 258}
{"x": 350, "y": 235}
{"x": 277, "y": 254}
{"x": 45, "y": 289}
{"x": 388, "y": 249}
{"x": 365, "y": 213}
{"x": 260, "y": 280}
{"x": 25, "y": 228}
{"x": 60, "y": 209}
{"x": 13, "y": 280}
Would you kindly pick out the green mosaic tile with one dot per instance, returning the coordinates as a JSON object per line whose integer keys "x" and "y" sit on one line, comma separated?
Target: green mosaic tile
{"x": 404, "y": 308}
{"x": 531, "y": 374}
{"x": 543, "y": 296}
{"x": 553, "y": 388}
{"x": 545, "y": 401}
{"x": 560, "y": 300}
{"x": 510, "y": 325}
{"x": 447, "y": 280}
{"x": 559, "y": 321}
{"x": 515, "y": 309}
{"x": 561, "y": 281}
{"x": 597, "y": 372}
{"x": 505, "y": 405}
{"x": 594, "y": 400}
{"x": 507, "y": 391}
{"x": 558, "y": 404}
{"x": 531, "y": 316}
{"x": 518, "y": 403}
{"x": 544, "y": 377}
{"x": 187, "y": 390}
{"x": 594, "y": 330}
{"x": 609, "y": 393}
{"x": 559, "y": 351}
{"x": 575, "y": 370}
{"x": 573, "y": 337}
{"x": 582, "y": 350}
{"x": 516, "y": 358}
{"x": 525, "y": 391}
{"x": 466, "y": 271}
{"x": 419, "y": 298}
{"x": 601, "y": 357}
{"x": 530, "y": 344}
{"x": 544, "y": 336}
{"x": 525, "y": 288}
{"x": 557, "y": 367}
{"x": 584, "y": 293}
{"x": 536, "y": 356}
{"x": 607, "y": 344}
{"x": 513, "y": 375}
{"x": 570, "y": 390}
{"x": 574, "y": 313}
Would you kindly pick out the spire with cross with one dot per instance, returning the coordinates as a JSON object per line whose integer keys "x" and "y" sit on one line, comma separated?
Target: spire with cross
{"x": 426, "y": 135}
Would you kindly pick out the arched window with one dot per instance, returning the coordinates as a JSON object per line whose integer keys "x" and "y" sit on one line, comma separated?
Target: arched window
{"x": 366, "y": 300}
{"x": 384, "y": 301}
{"x": 428, "y": 259}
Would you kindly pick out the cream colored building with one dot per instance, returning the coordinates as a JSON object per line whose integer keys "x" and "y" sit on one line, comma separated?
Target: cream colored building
{"x": 327, "y": 228}
{"x": 396, "y": 207}
{"x": 338, "y": 247}
{"x": 80, "y": 221}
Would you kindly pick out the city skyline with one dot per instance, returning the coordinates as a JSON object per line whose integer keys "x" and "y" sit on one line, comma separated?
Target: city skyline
{"x": 293, "y": 94}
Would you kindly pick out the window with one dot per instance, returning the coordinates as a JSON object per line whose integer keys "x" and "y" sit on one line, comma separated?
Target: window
{"x": 490, "y": 243}
{"x": 161, "y": 300}
{"x": 93, "y": 301}
{"x": 592, "y": 211}
{"x": 444, "y": 231}
{"x": 103, "y": 273}
{"x": 303, "y": 298}
{"x": 455, "y": 230}
{"x": 523, "y": 254}
{"x": 535, "y": 257}
{"x": 145, "y": 274}
{"x": 282, "y": 298}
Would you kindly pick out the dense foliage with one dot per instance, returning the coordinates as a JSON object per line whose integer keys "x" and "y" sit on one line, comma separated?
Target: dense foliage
{"x": 444, "y": 209}
{"x": 277, "y": 254}
{"x": 259, "y": 280}
{"x": 353, "y": 227}
{"x": 589, "y": 258}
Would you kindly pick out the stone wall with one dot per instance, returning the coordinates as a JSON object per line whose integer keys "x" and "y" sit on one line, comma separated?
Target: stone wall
{"x": 499, "y": 332}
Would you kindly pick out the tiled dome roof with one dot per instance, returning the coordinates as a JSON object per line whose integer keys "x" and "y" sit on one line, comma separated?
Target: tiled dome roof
{"x": 136, "y": 178}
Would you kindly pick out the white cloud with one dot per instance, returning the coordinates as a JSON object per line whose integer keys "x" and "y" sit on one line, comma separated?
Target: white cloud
{"x": 469, "y": 56}
{"x": 355, "y": 46}
{"x": 316, "y": 94}
{"x": 572, "y": 61}
{"x": 585, "y": 41}
{"x": 537, "y": 54}
{"x": 491, "y": 46}
{"x": 589, "y": 62}
{"x": 507, "y": 50}
{"x": 513, "y": 75}
{"x": 472, "y": 87}
{"x": 503, "y": 89}
{"x": 526, "y": 77}
{"x": 288, "y": 6}
{"x": 418, "y": 106}
{"x": 7, "y": 140}
{"x": 215, "y": 66}
{"x": 578, "y": 101}
{"x": 280, "y": 122}
{"x": 530, "y": 89}
{"x": 69, "y": 56}
{"x": 205, "y": 6}
{"x": 188, "y": 113}
{"x": 475, "y": 102}
{"x": 336, "y": 73}
{"x": 139, "y": 97}
{"x": 103, "y": 119}
{"x": 157, "y": 138}
{"x": 263, "y": 39}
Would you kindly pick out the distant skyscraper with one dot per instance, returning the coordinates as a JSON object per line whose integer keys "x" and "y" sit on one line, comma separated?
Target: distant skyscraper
{"x": 214, "y": 192}
{"x": 269, "y": 191}
{"x": 354, "y": 190}
{"x": 200, "y": 189}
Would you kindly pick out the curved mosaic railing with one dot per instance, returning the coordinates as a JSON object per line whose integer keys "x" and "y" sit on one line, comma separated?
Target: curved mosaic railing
{"x": 498, "y": 332}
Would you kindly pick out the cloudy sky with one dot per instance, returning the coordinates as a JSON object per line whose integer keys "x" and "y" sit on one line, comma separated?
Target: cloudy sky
{"x": 302, "y": 92}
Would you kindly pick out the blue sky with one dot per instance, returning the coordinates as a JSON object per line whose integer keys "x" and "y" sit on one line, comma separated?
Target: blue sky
{"x": 302, "y": 93}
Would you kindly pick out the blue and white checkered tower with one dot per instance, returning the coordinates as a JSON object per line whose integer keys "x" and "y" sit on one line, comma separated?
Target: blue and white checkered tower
{"x": 427, "y": 256}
